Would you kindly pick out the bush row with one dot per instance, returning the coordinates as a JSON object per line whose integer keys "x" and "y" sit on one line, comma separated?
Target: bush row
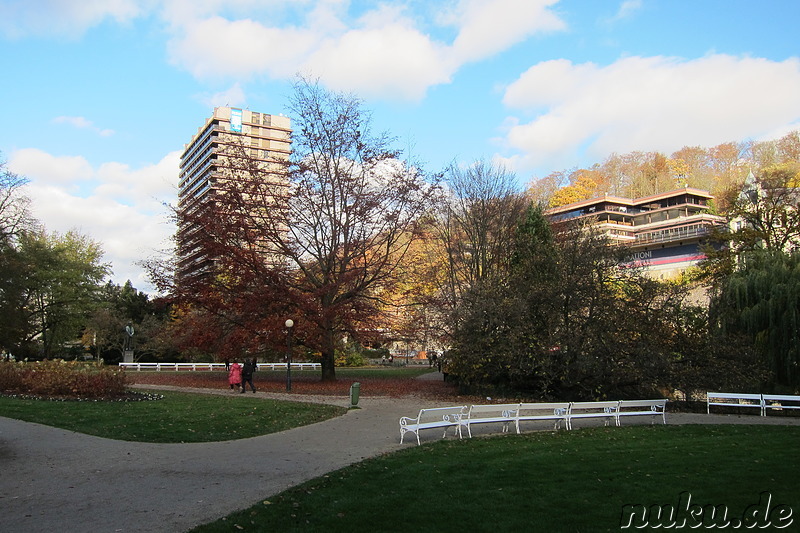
{"x": 66, "y": 379}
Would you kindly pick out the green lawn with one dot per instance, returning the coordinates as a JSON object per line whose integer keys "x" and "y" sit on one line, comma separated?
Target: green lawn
{"x": 179, "y": 417}
{"x": 584, "y": 481}
{"x": 544, "y": 481}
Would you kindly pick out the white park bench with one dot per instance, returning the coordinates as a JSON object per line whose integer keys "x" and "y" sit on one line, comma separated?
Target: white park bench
{"x": 437, "y": 417}
{"x": 652, "y": 408}
{"x": 605, "y": 410}
{"x": 532, "y": 412}
{"x": 459, "y": 417}
{"x": 779, "y": 402}
{"x": 734, "y": 399}
{"x": 505, "y": 414}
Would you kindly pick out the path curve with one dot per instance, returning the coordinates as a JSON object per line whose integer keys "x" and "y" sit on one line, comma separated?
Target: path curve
{"x": 57, "y": 480}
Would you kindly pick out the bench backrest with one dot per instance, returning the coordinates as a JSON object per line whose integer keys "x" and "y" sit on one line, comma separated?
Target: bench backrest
{"x": 657, "y": 404}
{"x": 447, "y": 414}
{"x": 505, "y": 410}
{"x": 781, "y": 398}
{"x": 732, "y": 396}
{"x": 556, "y": 409}
{"x": 592, "y": 406}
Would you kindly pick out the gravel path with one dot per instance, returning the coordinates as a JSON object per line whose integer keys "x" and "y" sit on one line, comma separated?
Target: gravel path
{"x": 57, "y": 480}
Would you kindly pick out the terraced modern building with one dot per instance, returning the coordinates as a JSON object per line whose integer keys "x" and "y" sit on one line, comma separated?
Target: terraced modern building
{"x": 663, "y": 231}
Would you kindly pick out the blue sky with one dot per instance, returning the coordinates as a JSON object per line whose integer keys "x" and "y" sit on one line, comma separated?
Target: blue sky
{"x": 99, "y": 97}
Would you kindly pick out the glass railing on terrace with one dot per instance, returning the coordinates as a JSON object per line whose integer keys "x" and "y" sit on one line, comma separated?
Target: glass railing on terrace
{"x": 673, "y": 234}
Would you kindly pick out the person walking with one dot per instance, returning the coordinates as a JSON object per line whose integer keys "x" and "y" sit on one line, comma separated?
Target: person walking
{"x": 235, "y": 375}
{"x": 247, "y": 375}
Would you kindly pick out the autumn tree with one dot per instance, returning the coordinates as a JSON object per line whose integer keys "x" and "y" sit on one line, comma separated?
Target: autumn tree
{"x": 584, "y": 184}
{"x": 763, "y": 154}
{"x": 411, "y": 309}
{"x": 316, "y": 240}
{"x": 541, "y": 190}
{"x": 351, "y": 212}
{"x": 477, "y": 219}
{"x": 789, "y": 147}
{"x": 765, "y": 210}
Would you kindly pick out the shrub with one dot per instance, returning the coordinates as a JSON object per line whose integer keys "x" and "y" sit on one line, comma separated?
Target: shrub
{"x": 350, "y": 355}
{"x": 62, "y": 379}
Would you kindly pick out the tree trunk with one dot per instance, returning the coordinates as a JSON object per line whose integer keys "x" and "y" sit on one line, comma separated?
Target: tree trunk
{"x": 328, "y": 354}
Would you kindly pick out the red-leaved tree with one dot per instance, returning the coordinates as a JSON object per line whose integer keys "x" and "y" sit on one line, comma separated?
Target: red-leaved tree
{"x": 318, "y": 238}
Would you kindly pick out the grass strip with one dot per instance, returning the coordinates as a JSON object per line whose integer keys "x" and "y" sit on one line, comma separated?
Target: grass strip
{"x": 576, "y": 481}
{"x": 178, "y": 417}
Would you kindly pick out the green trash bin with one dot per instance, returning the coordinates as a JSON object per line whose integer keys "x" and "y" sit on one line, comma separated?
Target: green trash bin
{"x": 354, "y": 390}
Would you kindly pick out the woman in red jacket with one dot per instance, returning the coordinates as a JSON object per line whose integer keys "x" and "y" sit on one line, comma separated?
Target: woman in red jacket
{"x": 235, "y": 375}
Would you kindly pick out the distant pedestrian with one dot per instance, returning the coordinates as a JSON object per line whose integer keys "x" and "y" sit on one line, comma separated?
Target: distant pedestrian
{"x": 235, "y": 375}
{"x": 227, "y": 364}
{"x": 247, "y": 376}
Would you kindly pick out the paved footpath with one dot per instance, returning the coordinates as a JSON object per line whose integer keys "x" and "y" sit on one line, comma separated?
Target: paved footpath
{"x": 57, "y": 480}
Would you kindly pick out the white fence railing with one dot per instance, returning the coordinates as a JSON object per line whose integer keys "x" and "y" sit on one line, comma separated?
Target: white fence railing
{"x": 158, "y": 367}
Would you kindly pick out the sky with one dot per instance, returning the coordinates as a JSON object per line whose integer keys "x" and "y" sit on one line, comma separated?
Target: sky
{"x": 99, "y": 97}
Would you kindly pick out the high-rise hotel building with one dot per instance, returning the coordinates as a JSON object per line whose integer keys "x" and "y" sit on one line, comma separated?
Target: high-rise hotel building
{"x": 206, "y": 167}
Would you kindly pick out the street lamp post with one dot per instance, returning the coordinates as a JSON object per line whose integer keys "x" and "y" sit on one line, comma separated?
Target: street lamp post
{"x": 289, "y": 323}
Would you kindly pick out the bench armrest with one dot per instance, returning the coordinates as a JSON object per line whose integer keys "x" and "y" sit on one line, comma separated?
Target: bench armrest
{"x": 406, "y": 420}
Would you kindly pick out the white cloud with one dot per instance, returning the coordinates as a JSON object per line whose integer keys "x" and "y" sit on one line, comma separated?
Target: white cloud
{"x": 38, "y": 165}
{"x": 121, "y": 208}
{"x": 239, "y": 48}
{"x": 488, "y": 27}
{"x": 646, "y": 103}
{"x": 68, "y": 18}
{"x": 83, "y": 123}
{"x": 385, "y": 56}
{"x": 626, "y": 9}
{"x": 232, "y": 97}
{"x": 375, "y": 49}
{"x": 381, "y": 52}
